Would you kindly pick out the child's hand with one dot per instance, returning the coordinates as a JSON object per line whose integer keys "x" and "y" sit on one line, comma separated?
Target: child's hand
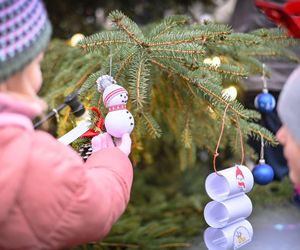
{"x": 105, "y": 141}
{"x": 124, "y": 144}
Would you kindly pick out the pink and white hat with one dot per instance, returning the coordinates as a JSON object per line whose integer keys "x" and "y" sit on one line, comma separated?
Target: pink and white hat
{"x": 110, "y": 92}
{"x": 110, "y": 89}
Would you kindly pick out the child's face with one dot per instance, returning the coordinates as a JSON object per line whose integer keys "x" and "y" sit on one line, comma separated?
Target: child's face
{"x": 291, "y": 153}
{"x": 34, "y": 74}
{"x": 27, "y": 82}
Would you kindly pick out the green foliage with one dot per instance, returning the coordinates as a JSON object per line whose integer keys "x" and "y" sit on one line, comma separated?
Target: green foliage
{"x": 174, "y": 96}
{"x": 170, "y": 85}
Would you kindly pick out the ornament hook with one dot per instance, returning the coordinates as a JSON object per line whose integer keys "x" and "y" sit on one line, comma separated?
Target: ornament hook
{"x": 262, "y": 158}
{"x": 264, "y": 80}
{"x": 110, "y": 63}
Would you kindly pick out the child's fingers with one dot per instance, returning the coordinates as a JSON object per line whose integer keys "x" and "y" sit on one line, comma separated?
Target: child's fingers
{"x": 124, "y": 144}
{"x": 101, "y": 141}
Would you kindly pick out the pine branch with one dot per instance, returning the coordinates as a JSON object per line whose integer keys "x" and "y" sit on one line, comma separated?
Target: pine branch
{"x": 232, "y": 72}
{"x": 237, "y": 109}
{"x": 275, "y": 37}
{"x": 177, "y": 37}
{"x": 239, "y": 39}
{"x": 220, "y": 30}
{"x": 174, "y": 51}
{"x": 128, "y": 26}
{"x": 138, "y": 81}
{"x": 255, "y": 130}
{"x": 106, "y": 38}
{"x": 190, "y": 51}
{"x": 268, "y": 52}
{"x": 167, "y": 24}
{"x": 152, "y": 127}
{"x": 187, "y": 134}
{"x": 125, "y": 63}
{"x": 90, "y": 83}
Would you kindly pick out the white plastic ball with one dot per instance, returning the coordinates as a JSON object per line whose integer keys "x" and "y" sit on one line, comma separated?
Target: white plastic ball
{"x": 119, "y": 122}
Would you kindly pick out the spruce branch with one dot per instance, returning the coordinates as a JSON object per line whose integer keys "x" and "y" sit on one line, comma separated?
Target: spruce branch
{"x": 125, "y": 62}
{"x": 237, "y": 109}
{"x": 152, "y": 127}
{"x": 273, "y": 34}
{"x": 128, "y": 26}
{"x": 188, "y": 51}
{"x": 186, "y": 136}
{"x": 105, "y": 38}
{"x": 240, "y": 40}
{"x": 256, "y": 130}
{"x": 167, "y": 24}
{"x": 179, "y": 48}
{"x": 138, "y": 81}
{"x": 177, "y": 37}
{"x": 230, "y": 71}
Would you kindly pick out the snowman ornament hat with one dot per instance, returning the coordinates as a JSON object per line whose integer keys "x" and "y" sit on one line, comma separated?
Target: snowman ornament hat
{"x": 118, "y": 120}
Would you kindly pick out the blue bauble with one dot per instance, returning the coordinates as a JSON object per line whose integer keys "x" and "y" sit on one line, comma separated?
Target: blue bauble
{"x": 265, "y": 102}
{"x": 263, "y": 174}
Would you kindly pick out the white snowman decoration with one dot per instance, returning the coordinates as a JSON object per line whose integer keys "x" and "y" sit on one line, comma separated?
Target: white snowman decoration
{"x": 118, "y": 120}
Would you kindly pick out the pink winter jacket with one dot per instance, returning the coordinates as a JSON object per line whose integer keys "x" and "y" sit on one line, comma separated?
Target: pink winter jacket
{"x": 49, "y": 198}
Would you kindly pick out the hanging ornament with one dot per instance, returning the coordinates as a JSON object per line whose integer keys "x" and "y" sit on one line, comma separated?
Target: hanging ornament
{"x": 263, "y": 173}
{"x": 265, "y": 102}
{"x": 227, "y": 213}
{"x": 99, "y": 126}
{"x": 85, "y": 151}
{"x": 118, "y": 120}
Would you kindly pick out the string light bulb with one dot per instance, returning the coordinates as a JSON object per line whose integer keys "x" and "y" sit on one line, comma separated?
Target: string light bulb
{"x": 75, "y": 39}
{"x": 215, "y": 61}
{"x": 230, "y": 93}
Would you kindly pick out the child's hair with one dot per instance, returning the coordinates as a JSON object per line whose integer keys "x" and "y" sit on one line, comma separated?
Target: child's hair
{"x": 25, "y": 31}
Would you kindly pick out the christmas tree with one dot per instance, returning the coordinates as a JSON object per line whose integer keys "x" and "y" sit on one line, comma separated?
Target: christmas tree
{"x": 175, "y": 72}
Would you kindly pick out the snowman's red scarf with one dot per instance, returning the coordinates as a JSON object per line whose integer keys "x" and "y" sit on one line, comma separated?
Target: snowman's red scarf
{"x": 117, "y": 107}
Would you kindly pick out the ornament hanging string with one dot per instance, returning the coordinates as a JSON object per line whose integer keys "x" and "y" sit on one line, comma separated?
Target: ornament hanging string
{"x": 262, "y": 153}
{"x": 110, "y": 62}
{"x": 263, "y": 77}
{"x": 241, "y": 140}
{"x": 216, "y": 154}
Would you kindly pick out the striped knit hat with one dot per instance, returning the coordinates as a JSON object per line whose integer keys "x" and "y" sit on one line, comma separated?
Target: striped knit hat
{"x": 24, "y": 32}
{"x": 289, "y": 103}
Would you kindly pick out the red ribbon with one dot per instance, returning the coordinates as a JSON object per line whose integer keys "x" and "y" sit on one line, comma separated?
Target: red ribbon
{"x": 99, "y": 125}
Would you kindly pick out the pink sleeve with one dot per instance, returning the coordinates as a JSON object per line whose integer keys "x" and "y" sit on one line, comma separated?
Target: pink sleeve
{"x": 111, "y": 173}
{"x": 70, "y": 202}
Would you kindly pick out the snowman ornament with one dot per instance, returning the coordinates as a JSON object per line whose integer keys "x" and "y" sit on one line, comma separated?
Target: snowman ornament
{"x": 118, "y": 120}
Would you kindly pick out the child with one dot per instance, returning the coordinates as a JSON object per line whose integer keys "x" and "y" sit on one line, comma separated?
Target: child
{"x": 49, "y": 199}
{"x": 289, "y": 134}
